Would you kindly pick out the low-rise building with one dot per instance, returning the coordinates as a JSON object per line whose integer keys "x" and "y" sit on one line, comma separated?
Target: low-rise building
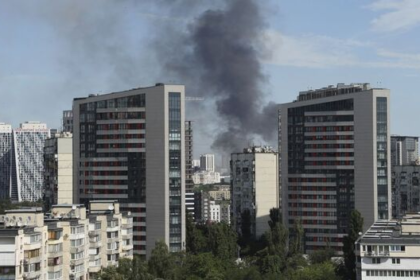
{"x": 220, "y": 194}
{"x": 68, "y": 243}
{"x": 206, "y": 178}
{"x": 390, "y": 249}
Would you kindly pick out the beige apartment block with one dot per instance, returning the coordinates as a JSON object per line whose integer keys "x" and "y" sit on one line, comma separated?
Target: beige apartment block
{"x": 68, "y": 243}
{"x": 255, "y": 187}
{"x": 390, "y": 250}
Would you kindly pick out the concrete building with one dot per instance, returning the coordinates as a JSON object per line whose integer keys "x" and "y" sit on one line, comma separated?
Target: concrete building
{"x": 207, "y": 162}
{"x": 220, "y": 194}
{"x": 27, "y": 176}
{"x": 214, "y": 210}
{"x": 6, "y": 140}
{"x": 225, "y": 212}
{"x": 112, "y": 160}
{"x": 405, "y": 190}
{"x": 390, "y": 250}
{"x": 58, "y": 172}
{"x": 68, "y": 121}
{"x": 335, "y": 157}
{"x": 254, "y": 187}
{"x": 201, "y": 206}
{"x": 64, "y": 244}
{"x": 206, "y": 177}
{"x": 404, "y": 150}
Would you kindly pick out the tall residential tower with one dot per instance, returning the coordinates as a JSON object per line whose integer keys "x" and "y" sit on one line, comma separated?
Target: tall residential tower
{"x": 335, "y": 157}
{"x": 129, "y": 146}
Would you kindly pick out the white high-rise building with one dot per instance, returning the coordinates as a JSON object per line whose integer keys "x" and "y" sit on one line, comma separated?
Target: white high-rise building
{"x": 207, "y": 162}
{"x": 334, "y": 145}
{"x": 6, "y": 140}
{"x": 28, "y": 161}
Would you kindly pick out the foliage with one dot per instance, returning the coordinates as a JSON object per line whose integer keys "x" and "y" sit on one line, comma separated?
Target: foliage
{"x": 7, "y": 204}
{"x": 321, "y": 256}
{"x": 195, "y": 239}
{"x": 246, "y": 225}
{"x": 222, "y": 241}
{"x": 162, "y": 263}
{"x": 322, "y": 271}
{"x": 275, "y": 217}
{"x": 355, "y": 226}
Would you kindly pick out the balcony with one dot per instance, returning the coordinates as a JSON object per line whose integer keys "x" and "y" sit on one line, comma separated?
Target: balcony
{"x": 33, "y": 260}
{"x": 95, "y": 232}
{"x": 77, "y": 249}
{"x": 77, "y": 262}
{"x": 94, "y": 269}
{"x": 112, "y": 251}
{"x": 127, "y": 247}
{"x": 55, "y": 254}
{"x": 93, "y": 245}
{"x": 376, "y": 254}
{"x": 55, "y": 268}
{"x": 127, "y": 226}
{"x": 32, "y": 275}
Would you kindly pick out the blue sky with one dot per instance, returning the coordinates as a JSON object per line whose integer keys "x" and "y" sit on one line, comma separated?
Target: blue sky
{"x": 47, "y": 56}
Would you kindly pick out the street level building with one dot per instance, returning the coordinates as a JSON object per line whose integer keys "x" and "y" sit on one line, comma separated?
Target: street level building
{"x": 129, "y": 146}
{"x": 254, "y": 187}
{"x": 390, "y": 250}
{"x": 334, "y": 146}
{"x": 58, "y": 172}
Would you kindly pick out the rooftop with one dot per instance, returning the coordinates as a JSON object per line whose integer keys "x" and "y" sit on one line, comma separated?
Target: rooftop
{"x": 331, "y": 90}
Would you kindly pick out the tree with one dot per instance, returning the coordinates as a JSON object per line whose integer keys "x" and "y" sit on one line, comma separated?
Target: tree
{"x": 322, "y": 271}
{"x": 161, "y": 263}
{"x": 355, "y": 227}
{"x": 321, "y": 256}
{"x": 222, "y": 241}
{"x": 202, "y": 266}
{"x": 296, "y": 247}
{"x": 195, "y": 239}
{"x": 275, "y": 217}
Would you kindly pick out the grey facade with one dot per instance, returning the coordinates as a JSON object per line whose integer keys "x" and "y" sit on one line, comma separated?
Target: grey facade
{"x": 68, "y": 121}
{"x": 405, "y": 190}
{"x": 335, "y": 157}
{"x": 129, "y": 146}
{"x": 404, "y": 150}
{"x": 6, "y": 139}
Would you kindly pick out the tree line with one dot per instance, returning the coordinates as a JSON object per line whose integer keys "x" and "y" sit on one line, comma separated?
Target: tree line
{"x": 214, "y": 251}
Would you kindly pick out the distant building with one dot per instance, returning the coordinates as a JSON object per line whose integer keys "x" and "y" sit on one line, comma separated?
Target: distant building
{"x": 58, "y": 172}
{"x": 214, "y": 210}
{"x": 68, "y": 243}
{"x": 201, "y": 206}
{"x": 220, "y": 194}
{"x": 206, "y": 178}
{"x": 68, "y": 121}
{"x": 334, "y": 146}
{"x": 225, "y": 213}
{"x": 390, "y": 250}
{"x": 404, "y": 150}
{"x": 6, "y": 151}
{"x": 254, "y": 174}
{"x": 130, "y": 146}
{"x": 27, "y": 174}
{"x": 207, "y": 162}
{"x": 405, "y": 190}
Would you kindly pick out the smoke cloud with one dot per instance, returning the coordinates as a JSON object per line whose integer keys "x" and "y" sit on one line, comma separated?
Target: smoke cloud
{"x": 218, "y": 58}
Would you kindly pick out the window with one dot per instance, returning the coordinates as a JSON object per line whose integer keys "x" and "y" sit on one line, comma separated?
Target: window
{"x": 395, "y": 261}
{"x": 78, "y": 256}
{"x": 376, "y": 260}
{"x": 77, "y": 242}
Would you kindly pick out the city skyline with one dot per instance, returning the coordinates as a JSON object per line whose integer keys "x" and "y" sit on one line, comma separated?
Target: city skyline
{"x": 368, "y": 42}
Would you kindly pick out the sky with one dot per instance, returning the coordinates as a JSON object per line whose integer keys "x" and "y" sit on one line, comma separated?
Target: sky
{"x": 54, "y": 51}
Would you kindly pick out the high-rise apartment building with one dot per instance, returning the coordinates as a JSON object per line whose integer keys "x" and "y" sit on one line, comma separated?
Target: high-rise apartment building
{"x": 405, "y": 190}
{"x": 6, "y": 140}
{"x": 254, "y": 187}
{"x": 207, "y": 162}
{"x": 68, "y": 121}
{"x": 404, "y": 150}
{"x": 27, "y": 174}
{"x": 58, "y": 172}
{"x": 335, "y": 157}
{"x": 129, "y": 146}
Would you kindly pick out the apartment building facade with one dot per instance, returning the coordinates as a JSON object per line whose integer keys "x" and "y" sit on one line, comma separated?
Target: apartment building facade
{"x": 129, "y": 146}
{"x": 254, "y": 187}
{"x": 405, "y": 190}
{"x": 207, "y": 162}
{"x": 58, "y": 170}
{"x": 390, "y": 250}
{"x": 334, "y": 147}
{"x": 64, "y": 244}
{"x": 404, "y": 150}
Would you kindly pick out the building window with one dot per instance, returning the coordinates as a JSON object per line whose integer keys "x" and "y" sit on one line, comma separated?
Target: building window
{"x": 395, "y": 261}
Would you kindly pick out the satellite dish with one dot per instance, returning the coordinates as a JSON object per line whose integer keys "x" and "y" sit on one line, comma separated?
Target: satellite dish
{"x": 74, "y": 207}
{"x": 111, "y": 207}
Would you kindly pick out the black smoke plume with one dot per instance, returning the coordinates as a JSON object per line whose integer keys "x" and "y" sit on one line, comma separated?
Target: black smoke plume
{"x": 218, "y": 57}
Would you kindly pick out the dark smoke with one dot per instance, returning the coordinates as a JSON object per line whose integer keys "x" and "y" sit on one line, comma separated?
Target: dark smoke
{"x": 218, "y": 57}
